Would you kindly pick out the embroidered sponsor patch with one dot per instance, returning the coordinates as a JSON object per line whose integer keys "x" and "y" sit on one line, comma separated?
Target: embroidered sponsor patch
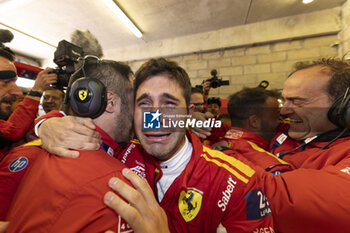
{"x": 226, "y": 194}
{"x": 264, "y": 230}
{"x": 18, "y": 164}
{"x": 190, "y": 203}
{"x": 281, "y": 138}
{"x": 346, "y": 170}
{"x": 257, "y": 205}
{"x": 139, "y": 170}
{"x": 275, "y": 173}
{"x": 123, "y": 226}
{"x": 234, "y": 134}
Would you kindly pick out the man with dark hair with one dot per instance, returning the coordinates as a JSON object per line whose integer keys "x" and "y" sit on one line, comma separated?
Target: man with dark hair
{"x": 217, "y": 133}
{"x": 22, "y": 118}
{"x": 214, "y": 105}
{"x": 256, "y": 110}
{"x": 254, "y": 114}
{"x": 314, "y": 197}
{"x": 176, "y": 162}
{"x": 52, "y": 99}
{"x": 311, "y": 199}
{"x": 66, "y": 195}
{"x": 191, "y": 182}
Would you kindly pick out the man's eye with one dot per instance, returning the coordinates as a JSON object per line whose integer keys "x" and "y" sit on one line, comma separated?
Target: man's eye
{"x": 298, "y": 102}
{"x": 143, "y": 104}
{"x": 170, "y": 104}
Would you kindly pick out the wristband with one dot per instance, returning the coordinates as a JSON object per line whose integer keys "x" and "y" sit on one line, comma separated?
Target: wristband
{"x": 35, "y": 93}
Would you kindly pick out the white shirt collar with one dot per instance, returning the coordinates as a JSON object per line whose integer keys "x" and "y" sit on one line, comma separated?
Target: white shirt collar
{"x": 173, "y": 167}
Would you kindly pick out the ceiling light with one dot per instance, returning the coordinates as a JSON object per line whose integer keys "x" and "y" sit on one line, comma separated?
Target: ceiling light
{"x": 122, "y": 16}
{"x": 307, "y": 1}
{"x": 28, "y": 44}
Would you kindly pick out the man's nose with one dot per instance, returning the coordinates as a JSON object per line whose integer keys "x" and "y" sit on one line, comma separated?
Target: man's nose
{"x": 286, "y": 108}
{"x": 49, "y": 99}
{"x": 14, "y": 90}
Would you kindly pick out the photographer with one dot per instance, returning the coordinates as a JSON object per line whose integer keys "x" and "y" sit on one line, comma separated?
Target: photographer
{"x": 21, "y": 119}
{"x": 213, "y": 82}
{"x": 211, "y": 109}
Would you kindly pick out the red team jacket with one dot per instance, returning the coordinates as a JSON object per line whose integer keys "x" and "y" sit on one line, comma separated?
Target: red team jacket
{"x": 213, "y": 183}
{"x": 19, "y": 122}
{"x": 217, "y": 134}
{"x": 65, "y": 195}
{"x": 315, "y": 197}
{"x": 214, "y": 188}
{"x": 253, "y": 147}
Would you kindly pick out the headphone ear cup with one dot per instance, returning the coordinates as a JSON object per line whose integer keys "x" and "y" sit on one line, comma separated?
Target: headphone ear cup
{"x": 339, "y": 113}
{"x": 88, "y": 97}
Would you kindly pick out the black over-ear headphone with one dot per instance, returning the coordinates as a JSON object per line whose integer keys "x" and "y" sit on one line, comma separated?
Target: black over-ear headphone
{"x": 87, "y": 96}
{"x": 339, "y": 113}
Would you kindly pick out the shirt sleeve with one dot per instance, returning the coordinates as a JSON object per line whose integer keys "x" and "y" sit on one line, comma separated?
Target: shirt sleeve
{"x": 317, "y": 200}
{"x": 248, "y": 209}
{"x": 20, "y": 120}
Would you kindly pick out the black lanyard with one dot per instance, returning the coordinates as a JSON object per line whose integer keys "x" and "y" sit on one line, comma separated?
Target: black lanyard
{"x": 283, "y": 137}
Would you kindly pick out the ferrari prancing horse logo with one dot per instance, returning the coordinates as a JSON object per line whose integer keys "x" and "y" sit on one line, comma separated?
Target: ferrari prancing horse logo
{"x": 190, "y": 203}
{"x": 83, "y": 94}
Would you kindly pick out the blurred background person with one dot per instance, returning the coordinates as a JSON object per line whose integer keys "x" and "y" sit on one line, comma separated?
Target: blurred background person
{"x": 255, "y": 110}
{"x": 52, "y": 99}
{"x": 254, "y": 114}
{"x": 197, "y": 99}
{"x": 20, "y": 120}
{"x": 214, "y": 105}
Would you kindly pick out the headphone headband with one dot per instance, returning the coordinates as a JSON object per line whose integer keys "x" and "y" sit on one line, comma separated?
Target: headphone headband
{"x": 87, "y": 96}
{"x": 339, "y": 113}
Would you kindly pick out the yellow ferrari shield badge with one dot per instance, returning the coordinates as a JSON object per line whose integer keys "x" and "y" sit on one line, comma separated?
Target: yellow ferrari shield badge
{"x": 190, "y": 203}
{"x": 82, "y": 94}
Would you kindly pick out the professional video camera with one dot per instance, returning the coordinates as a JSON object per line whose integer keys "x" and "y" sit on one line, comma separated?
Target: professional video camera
{"x": 66, "y": 57}
{"x": 215, "y": 82}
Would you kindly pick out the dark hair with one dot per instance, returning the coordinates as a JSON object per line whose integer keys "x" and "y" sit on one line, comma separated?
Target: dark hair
{"x": 338, "y": 69}
{"x": 195, "y": 90}
{"x": 172, "y": 70}
{"x": 114, "y": 75}
{"x": 7, "y": 53}
{"x": 54, "y": 88}
{"x": 214, "y": 100}
{"x": 247, "y": 102}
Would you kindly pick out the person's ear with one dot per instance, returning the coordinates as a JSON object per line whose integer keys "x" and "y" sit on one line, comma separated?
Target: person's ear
{"x": 191, "y": 109}
{"x": 254, "y": 122}
{"x": 111, "y": 102}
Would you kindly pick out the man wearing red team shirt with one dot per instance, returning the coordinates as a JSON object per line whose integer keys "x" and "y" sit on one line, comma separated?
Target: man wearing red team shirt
{"x": 315, "y": 198}
{"x": 254, "y": 114}
{"x": 312, "y": 199}
{"x": 66, "y": 194}
{"x": 15, "y": 124}
{"x": 192, "y": 182}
